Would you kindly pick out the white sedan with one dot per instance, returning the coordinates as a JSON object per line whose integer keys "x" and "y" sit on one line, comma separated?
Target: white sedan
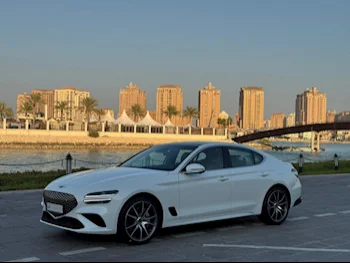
{"x": 171, "y": 185}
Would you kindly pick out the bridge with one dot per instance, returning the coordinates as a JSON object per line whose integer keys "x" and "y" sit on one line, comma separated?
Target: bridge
{"x": 315, "y": 128}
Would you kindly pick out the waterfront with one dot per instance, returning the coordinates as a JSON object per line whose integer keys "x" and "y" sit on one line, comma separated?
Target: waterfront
{"x": 13, "y": 160}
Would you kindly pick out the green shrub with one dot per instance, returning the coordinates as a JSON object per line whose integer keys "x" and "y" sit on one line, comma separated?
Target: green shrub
{"x": 94, "y": 133}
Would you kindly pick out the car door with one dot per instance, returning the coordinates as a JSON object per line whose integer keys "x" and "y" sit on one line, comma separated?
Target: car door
{"x": 206, "y": 194}
{"x": 250, "y": 179}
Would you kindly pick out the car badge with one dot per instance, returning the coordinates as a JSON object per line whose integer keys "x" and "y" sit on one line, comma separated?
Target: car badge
{"x": 61, "y": 186}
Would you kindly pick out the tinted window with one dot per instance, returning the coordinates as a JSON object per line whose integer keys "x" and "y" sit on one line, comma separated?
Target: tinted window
{"x": 240, "y": 158}
{"x": 160, "y": 157}
{"x": 211, "y": 158}
{"x": 257, "y": 158}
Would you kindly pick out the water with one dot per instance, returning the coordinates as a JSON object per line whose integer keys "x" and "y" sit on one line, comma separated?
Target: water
{"x": 43, "y": 160}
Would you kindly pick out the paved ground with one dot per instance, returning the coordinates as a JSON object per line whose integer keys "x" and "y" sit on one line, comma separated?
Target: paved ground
{"x": 318, "y": 230}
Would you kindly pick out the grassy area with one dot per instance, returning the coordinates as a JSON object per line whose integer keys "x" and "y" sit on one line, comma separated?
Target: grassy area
{"x": 39, "y": 180}
{"x": 29, "y": 179}
{"x": 326, "y": 167}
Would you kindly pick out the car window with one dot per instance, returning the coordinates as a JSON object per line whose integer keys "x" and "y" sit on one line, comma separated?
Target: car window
{"x": 211, "y": 158}
{"x": 241, "y": 158}
{"x": 257, "y": 158}
{"x": 160, "y": 157}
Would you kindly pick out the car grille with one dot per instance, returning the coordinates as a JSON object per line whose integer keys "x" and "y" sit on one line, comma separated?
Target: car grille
{"x": 68, "y": 201}
{"x": 67, "y": 222}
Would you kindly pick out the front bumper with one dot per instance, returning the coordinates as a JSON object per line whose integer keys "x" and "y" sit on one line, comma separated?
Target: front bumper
{"x": 82, "y": 218}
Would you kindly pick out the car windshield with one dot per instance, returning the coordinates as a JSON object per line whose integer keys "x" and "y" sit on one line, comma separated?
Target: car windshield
{"x": 160, "y": 157}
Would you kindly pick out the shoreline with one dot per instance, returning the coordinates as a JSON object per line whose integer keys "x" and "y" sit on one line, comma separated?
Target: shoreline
{"x": 103, "y": 142}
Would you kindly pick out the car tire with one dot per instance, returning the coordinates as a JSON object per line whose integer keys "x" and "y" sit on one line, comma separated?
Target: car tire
{"x": 132, "y": 222}
{"x": 276, "y": 206}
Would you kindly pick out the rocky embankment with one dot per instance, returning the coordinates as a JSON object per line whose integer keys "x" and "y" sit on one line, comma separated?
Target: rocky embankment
{"x": 62, "y": 142}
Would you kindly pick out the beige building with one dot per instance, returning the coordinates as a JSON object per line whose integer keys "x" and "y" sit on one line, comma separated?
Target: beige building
{"x": 311, "y": 107}
{"x": 277, "y": 120}
{"x": 169, "y": 95}
{"x": 21, "y": 98}
{"x": 129, "y": 96}
{"x": 331, "y": 116}
{"x": 209, "y": 106}
{"x": 290, "y": 120}
{"x": 74, "y": 97}
{"x": 251, "y": 108}
{"x": 49, "y": 100}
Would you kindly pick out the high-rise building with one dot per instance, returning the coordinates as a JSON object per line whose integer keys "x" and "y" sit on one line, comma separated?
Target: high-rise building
{"x": 277, "y": 120}
{"x": 331, "y": 116}
{"x": 290, "y": 120}
{"x": 169, "y": 95}
{"x": 74, "y": 98}
{"x": 311, "y": 107}
{"x": 209, "y": 106}
{"x": 48, "y": 97}
{"x": 129, "y": 96}
{"x": 251, "y": 108}
{"x": 22, "y": 98}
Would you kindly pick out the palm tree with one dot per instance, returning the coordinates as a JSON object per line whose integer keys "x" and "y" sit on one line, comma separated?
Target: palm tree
{"x": 36, "y": 101}
{"x": 89, "y": 106}
{"x": 137, "y": 111}
{"x": 171, "y": 111}
{"x": 100, "y": 113}
{"x": 225, "y": 122}
{"x": 191, "y": 113}
{"x": 26, "y": 107}
{"x": 4, "y": 110}
{"x": 62, "y": 106}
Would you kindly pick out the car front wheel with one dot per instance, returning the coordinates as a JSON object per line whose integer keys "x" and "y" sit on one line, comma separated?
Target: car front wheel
{"x": 138, "y": 221}
{"x": 276, "y": 206}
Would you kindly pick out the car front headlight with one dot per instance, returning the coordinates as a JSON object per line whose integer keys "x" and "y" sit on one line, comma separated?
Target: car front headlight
{"x": 103, "y": 197}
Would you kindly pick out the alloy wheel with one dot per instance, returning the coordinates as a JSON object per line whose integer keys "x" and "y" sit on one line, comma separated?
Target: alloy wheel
{"x": 141, "y": 221}
{"x": 277, "y": 205}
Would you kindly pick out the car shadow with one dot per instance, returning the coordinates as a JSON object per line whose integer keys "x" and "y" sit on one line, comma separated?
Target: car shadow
{"x": 168, "y": 232}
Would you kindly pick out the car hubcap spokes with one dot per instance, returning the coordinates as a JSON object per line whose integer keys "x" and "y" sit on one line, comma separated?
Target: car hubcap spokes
{"x": 141, "y": 221}
{"x": 277, "y": 205}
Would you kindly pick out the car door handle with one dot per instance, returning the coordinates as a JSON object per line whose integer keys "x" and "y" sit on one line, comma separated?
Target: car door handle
{"x": 223, "y": 179}
{"x": 264, "y": 174}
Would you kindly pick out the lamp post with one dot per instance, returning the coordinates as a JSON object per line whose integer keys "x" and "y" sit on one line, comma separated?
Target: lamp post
{"x": 336, "y": 162}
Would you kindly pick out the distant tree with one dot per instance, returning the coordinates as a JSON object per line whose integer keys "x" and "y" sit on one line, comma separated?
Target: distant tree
{"x": 89, "y": 106}
{"x": 36, "y": 101}
{"x": 191, "y": 113}
{"x": 100, "y": 113}
{"x": 5, "y": 110}
{"x": 137, "y": 111}
{"x": 26, "y": 107}
{"x": 62, "y": 107}
{"x": 171, "y": 111}
{"x": 224, "y": 122}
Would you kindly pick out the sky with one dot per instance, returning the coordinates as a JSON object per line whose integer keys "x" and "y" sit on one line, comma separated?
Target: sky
{"x": 103, "y": 45}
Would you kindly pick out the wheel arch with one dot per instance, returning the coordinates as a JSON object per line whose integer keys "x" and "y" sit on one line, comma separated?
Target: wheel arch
{"x": 150, "y": 196}
{"x": 274, "y": 186}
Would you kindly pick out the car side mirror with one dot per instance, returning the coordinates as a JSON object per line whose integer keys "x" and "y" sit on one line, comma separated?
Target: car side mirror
{"x": 194, "y": 168}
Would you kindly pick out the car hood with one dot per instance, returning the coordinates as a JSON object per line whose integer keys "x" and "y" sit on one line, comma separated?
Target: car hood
{"x": 100, "y": 177}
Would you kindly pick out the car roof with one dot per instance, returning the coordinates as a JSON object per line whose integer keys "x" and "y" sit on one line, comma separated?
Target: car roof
{"x": 204, "y": 143}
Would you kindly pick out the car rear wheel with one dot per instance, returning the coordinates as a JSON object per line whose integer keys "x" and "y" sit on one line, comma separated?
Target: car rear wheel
{"x": 276, "y": 206}
{"x": 138, "y": 221}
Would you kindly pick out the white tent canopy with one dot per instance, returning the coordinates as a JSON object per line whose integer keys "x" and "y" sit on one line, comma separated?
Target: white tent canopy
{"x": 169, "y": 124}
{"x": 108, "y": 118}
{"x": 93, "y": 118}
{"x": 148, "y": 121}
{"x": 124, "y": 119}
